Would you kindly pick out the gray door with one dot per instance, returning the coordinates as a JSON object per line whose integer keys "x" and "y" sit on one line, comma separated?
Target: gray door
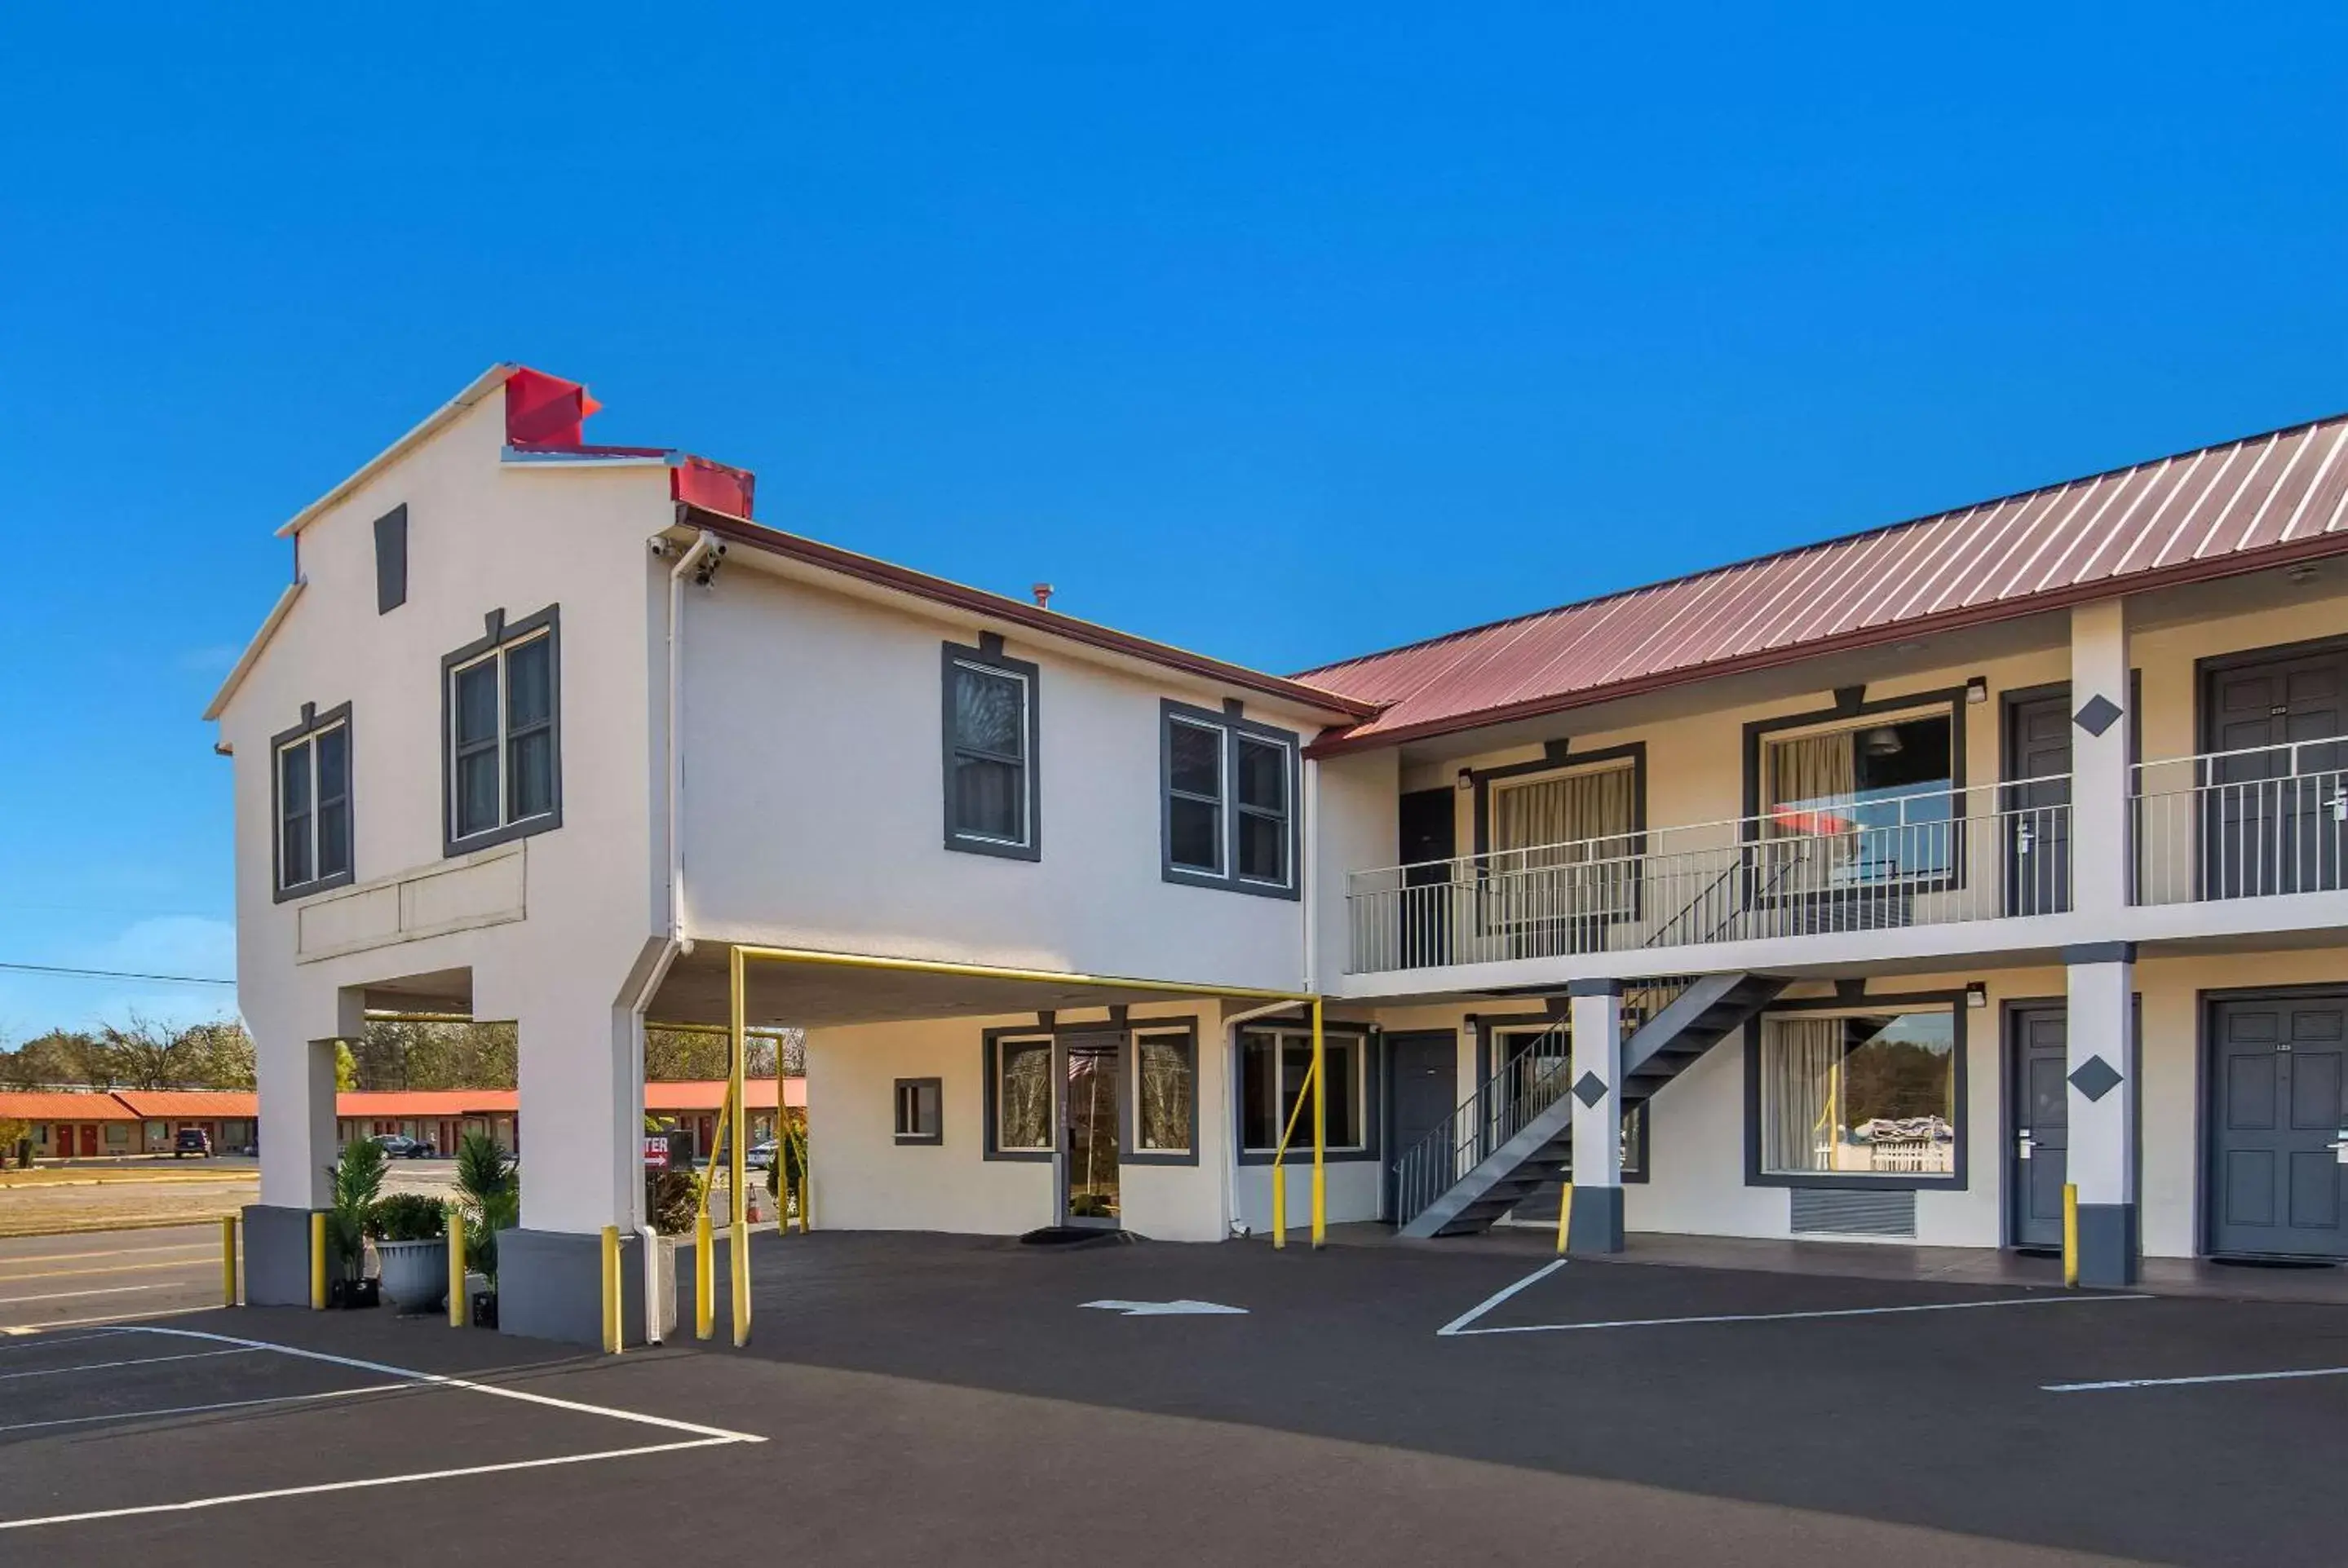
{"x": 1424, "y": 1070}
{"x": 2272, "y": 819}
{"x": 2037, "y": 831}
{"x": 2276, "y": 1123}
{"x": 2042, "y": 1125}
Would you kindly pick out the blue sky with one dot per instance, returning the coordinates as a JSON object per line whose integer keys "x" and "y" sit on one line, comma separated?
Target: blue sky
{"x": 1281, "y": 332}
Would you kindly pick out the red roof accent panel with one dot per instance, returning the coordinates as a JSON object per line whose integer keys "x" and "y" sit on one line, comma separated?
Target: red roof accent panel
{"x": 2237, "y": 506}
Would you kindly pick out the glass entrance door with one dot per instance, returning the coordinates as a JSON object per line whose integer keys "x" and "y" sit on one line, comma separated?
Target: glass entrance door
{"x": 1092, "y": 1095}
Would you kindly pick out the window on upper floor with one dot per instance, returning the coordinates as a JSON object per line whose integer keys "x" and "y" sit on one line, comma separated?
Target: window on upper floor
{"x": 1229, "y": 816}
{"x": 502, "y": 742}
{"x": 993, "y": 795}
{"x": 310, "y": 789}
{"x": 1874, "y": 794}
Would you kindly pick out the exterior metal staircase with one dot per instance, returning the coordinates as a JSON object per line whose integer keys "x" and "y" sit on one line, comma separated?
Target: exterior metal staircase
{"x": 1514, "y": 1137}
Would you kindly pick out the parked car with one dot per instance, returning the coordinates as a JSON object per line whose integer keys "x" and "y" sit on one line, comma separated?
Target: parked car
{"x": 192, "y": 1141}
{"x": 758, "y": 1156}
{"x": 400, "y": 1146}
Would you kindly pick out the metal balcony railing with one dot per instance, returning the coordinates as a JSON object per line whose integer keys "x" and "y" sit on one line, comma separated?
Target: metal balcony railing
{"x": 2246, "y": 823}
{"x": 1929, "y": 857}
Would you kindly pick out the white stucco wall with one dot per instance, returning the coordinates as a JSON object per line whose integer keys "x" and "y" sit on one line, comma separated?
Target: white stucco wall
{"x": 482, "y": 536}
{"x": 815, "y": 811}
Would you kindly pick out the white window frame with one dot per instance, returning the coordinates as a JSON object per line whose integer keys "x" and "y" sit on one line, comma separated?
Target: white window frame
{"x": 980, "y": 662}
{"x": 1229, "y": 729}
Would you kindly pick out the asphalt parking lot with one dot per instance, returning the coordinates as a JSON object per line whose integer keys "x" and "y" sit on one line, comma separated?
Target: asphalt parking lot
{"x": 964, "y": 1400}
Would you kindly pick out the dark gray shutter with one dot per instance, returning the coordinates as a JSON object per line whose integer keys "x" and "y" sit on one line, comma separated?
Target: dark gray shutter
{"x": 391, "y": 559}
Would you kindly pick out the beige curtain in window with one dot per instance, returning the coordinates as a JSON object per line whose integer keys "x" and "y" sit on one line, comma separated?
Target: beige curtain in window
{"x": 1801, "y": 1077}
{"x": 1811, "y": 781}
{"x": 1573, "y": 833}
{"x": 1577, "y": 817}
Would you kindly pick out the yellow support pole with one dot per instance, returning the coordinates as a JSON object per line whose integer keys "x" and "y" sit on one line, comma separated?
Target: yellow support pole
{"x": 611, "y": 1290}
{"x": 2071, "y": 1236}
{"x": 1564, "y": 1214}
{"x": 737, "y": 1150}
{"x": 705, "y": 1278}
{"x": 228, "y": 1260}
{"x": 1320, "y": 1135}
{"x": 1280, "y": 1163}
{"x": 460, "y": 1308}
{"x": 317, "y": 1262}
{"x": 807, "y": 1178}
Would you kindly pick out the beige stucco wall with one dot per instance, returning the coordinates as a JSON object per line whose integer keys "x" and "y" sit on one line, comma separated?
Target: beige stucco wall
{"x": 865, "y": 1180}
{"x": 1697, "y": 1124}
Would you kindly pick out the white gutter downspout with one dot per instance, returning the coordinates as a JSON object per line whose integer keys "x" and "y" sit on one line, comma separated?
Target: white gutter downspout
{"x": 674, "y": 942}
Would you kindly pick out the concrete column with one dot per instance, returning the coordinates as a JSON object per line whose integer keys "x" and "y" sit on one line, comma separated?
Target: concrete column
{"x": 2101, "y": 814}
{"x": 579, "y": 1128}
{"x": 295, "y": 1076}
{"x": 2101, "y": 1063}
{"x": 1596, "y": 1222}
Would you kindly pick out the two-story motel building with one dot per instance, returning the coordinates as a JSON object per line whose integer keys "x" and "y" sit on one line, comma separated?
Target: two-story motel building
{"x": 1875, "y": 890}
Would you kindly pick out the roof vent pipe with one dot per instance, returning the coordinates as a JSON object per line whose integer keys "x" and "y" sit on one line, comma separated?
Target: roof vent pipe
{"x": 1043, "y": 591}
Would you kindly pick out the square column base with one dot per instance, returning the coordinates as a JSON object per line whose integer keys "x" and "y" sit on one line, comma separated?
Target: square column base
{"x": 1595, "y": 1226}
{"x": 277, "y": 1256}
{"x": 2107, "y": 1245}
{"x": 550, "y": 1287}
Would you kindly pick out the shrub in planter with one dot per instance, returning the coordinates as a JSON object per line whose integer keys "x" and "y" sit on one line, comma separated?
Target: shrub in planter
{"x": 411, "y": 1243}
{"x": 358, "y": 1180}
{"x": 489, "y": 1196}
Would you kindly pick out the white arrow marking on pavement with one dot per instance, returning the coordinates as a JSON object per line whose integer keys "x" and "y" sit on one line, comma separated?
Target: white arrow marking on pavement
{"x": 1168, "y": 1308}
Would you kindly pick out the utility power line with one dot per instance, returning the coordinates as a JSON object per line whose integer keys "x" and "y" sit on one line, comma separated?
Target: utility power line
{"x": 113, "y": 974}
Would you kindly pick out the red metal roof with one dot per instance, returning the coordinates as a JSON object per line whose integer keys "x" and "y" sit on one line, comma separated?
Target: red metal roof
{"x": 2243, "y": 506}
{"x": 159, "y": 1104}
{"x": 89, "y": 1107}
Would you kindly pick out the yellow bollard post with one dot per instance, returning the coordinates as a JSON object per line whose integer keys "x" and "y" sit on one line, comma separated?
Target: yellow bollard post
{"x": 611, "y": 1290}
{"x": 2070, "y": 1236}
{"x": 458, "y": 1307}
{"x": 317, "y": 1262}
{"x": 738, "y": 1146}
{"x": 1564, "y": 1214}
{"x": 1320, "y": 1134}
{"x": 1279, "y": 1205}
{"x": 228, "y": 1260}
{"x": 705, "y": 1278}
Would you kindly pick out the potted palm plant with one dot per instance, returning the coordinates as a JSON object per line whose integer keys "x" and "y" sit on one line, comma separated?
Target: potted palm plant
{"x": 358, "y": 1180}
{"x": 489, "y": 1196}
{"x": 411, "y": 1246}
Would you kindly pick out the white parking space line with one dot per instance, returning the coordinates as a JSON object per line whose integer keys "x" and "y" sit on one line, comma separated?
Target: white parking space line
{"x": 440, "y": 1380}
{"x": 1459, "y": 1328}
{"x": 30, "y": 1332}
{"x": 75, "y": 1295}
{"x": 110, "y": 1366}
{"x": 200, "y": 1410}
{"x": 697, "y": 1436}
{"x": 1460, "y": 1324}
{"x": 222, "y": 1502}
{"x": 2193, "y": 1382}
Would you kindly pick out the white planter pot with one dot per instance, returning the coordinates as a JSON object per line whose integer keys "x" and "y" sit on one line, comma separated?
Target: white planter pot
{"x": 415, "y": 1273}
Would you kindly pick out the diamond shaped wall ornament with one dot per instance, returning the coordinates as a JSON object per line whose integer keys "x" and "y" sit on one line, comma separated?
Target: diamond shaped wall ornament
{"x": 1591, "y": 1090}
{"x": 2096, "y": 1077}
{"x": 2097, "y": 714}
